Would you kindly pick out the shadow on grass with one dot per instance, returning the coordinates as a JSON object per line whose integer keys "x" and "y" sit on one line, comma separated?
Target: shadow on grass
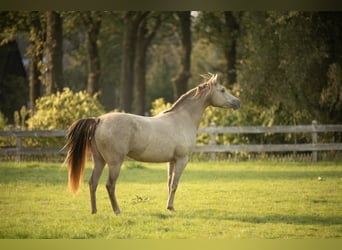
{"x": 272, "y": 218}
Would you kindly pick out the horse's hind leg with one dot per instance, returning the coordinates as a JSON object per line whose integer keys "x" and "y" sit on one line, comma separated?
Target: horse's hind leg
{"x": 94, "y": 180}
{"x": 114, "y": 171}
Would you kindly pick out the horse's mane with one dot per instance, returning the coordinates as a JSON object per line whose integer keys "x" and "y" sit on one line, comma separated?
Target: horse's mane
{"x": 191, "y": 93}
{"x": 181, "y": 99}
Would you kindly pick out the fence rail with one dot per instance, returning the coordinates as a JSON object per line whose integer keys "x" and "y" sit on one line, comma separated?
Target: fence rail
{"x": 19, "y": 150}
{"x": 314, "y": 146}
{"x": 212, "y": 148}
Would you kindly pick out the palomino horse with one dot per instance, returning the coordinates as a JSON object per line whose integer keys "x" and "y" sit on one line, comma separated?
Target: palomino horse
{"x": 168, "y": 137}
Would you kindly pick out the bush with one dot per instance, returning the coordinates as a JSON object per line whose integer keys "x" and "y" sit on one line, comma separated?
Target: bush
{"x": 60, "y": 110}
{"x": 158, "y": 106}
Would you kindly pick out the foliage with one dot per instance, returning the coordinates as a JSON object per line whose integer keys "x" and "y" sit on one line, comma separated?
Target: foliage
{"x": 160, "y": 72}
{"x": 217, "y": 200}
{"x": 159, "y": 106}
{"x": 20, "y": 117}
{"x": 110, "y": 49}
{"x": 221, "y": 29}
{"x": 60, "y": 110}
{"x": 75, "y": 54}
{"x": 206, "y": 57}
{"x": 3, "y": 121}
{"x": 331, "y": 97}
{"x": 285, "y": 60}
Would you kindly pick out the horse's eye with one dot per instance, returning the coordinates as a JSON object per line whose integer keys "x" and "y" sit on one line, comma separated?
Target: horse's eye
{"x": 222, "y": 90}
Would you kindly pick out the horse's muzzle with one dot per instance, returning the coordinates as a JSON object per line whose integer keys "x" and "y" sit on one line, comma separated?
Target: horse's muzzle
{"x": 235, "y": 104}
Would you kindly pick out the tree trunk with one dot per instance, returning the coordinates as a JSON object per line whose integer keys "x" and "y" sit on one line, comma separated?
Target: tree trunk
{"x": 36, "y": 55}
{"x": 180, "y": 81}
{"x": 144, "y": 39}
{"x": 232, "y": 28}
{"x": 140, "y": 82}
{"x": 34, "y": 81}
{"x": 54, "y": 52}
{"x": 92, "y": 22}
{"x": 131, "y": 23}
{"x": 127, "y": 79}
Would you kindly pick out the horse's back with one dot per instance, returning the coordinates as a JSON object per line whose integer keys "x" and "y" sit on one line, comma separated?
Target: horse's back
{"x": 124, "y": 134}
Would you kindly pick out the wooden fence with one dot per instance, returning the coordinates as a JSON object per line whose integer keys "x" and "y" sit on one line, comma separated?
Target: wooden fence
{"x": 314, "y": 146}
{"x": 18, "y": 150}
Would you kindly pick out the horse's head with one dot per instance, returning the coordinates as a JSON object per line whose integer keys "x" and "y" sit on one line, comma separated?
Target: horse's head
{"x": 219, "y": 96}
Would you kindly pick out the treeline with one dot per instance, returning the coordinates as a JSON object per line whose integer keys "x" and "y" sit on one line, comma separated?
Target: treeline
{"x": 288, "y": 63}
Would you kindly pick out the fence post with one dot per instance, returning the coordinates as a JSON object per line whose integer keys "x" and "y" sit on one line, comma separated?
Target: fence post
{"x": 213, "y": 140}
{"x": 18, "y": 146}
{"x": 314, "y": 140}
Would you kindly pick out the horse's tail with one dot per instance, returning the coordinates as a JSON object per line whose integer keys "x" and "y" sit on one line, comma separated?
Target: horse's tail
{"x": 77, "y": 141}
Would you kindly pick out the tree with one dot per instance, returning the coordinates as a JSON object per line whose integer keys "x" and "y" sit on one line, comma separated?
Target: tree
{"x": 180, "y": 81}
{"x": 288, "y": 59}
{"x": 222, "y": 30}
{"x": 110, "y": 53}
{"x": 54, "y": 52}
{"x": 92, "y": 22}
{"x": 132, "y": 21}
{"x": 331, "y": 95}
{"x": 27, "y": 25}
{"x": 231, "y": 34}
{"x": 105, "y": 32}
{"x": 146, "y": 32}
{"x": 35, "y": 52}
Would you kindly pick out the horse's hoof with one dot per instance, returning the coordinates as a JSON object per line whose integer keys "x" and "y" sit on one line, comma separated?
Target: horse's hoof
{"x": 171, "y": 209}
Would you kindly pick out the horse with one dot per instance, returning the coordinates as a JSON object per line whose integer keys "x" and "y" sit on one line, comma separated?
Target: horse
{"x": 169, "y": 137}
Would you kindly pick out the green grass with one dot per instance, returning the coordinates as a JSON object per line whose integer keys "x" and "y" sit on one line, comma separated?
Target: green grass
{"x": 214, "y": 200}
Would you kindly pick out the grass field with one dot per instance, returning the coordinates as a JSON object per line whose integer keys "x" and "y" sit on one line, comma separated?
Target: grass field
{"x": 214, "y": 200}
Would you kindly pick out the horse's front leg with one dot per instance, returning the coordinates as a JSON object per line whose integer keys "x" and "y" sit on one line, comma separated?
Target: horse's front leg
{"x": 170, "y": 174}
{"x": 174, "y": 176}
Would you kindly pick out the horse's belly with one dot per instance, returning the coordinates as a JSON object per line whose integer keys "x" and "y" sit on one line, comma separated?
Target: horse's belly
{"x": 156, "y": 155}
{"x": 161, "y": 153}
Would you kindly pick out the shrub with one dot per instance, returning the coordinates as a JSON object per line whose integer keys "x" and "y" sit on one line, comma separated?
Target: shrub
{"x": 158, "y": 106}
{"x": 60, "y": 110}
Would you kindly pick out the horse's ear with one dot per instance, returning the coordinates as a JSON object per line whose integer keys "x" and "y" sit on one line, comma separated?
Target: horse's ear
{"x": 213, "y": 79}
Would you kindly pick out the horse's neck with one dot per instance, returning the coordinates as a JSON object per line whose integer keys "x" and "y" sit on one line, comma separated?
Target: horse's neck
{"x": 191, "y": 109}
{"x": 194, "y": 111}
